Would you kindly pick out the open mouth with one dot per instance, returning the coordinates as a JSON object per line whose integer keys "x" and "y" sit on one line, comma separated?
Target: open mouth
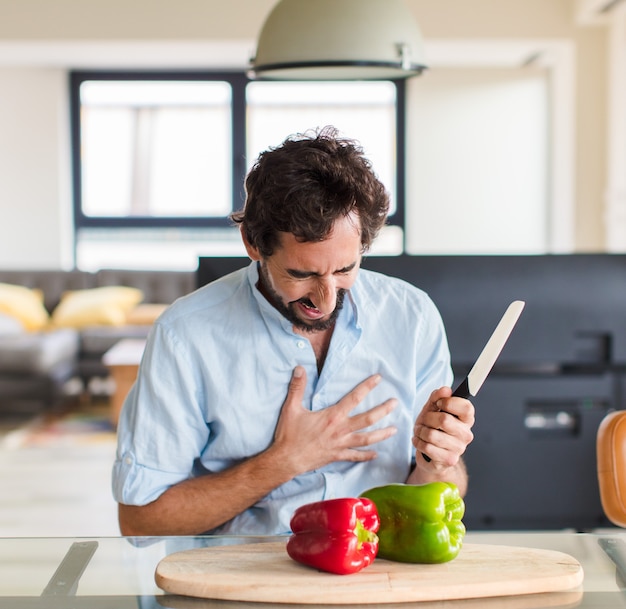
{"x": 309, "y": 309}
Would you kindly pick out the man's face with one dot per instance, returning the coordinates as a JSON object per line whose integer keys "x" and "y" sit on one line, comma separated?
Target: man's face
{"x": 307, "y": 281}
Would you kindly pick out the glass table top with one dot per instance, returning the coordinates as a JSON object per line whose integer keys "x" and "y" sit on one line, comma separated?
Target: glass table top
{"x": 119, "y": 572}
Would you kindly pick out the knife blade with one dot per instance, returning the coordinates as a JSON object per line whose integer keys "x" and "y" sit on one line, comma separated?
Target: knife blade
{"x": 475, "y": 378}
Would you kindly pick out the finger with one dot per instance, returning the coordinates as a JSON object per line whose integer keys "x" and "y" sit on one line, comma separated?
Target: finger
{"x": 372, "y": 416}
{"x": 446, "y": 422}
{"x": 351, "y": 400}
{"x": 297, "y": 386}
{"x": 442, "y": 459}
{"x": 439, "y": 394}
{"x": 442, "y": 446}
{"x": 357, "y": 455}
{"x": 362, "y": 439}
{"x": 439, "y": 426}
{"x": 421, "y": 446}
{"x": 461, "y": 408}
{"x": 455, "y": 442}
{"x": 432, "y": 453}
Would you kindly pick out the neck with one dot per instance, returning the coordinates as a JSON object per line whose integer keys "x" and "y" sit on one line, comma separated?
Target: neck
{"x": 320, "y": 342}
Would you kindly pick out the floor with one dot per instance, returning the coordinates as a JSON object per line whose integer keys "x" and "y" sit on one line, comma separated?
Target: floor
{"x": 56, "y": 490}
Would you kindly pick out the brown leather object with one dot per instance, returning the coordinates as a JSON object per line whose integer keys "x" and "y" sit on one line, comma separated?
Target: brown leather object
{"x": 611, "y": 456}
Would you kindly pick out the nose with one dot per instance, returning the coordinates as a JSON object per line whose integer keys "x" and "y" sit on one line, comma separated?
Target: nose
{"x": 326, "y": 295}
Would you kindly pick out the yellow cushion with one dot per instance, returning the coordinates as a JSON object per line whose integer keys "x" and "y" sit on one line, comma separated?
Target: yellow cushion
{"x": 25, "y": 305}
{"x": 105, "y": 306}
{"x": 145, "y": 314}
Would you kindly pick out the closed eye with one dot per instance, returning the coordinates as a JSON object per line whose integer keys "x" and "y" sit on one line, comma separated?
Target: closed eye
{"x": 300, "y": 274}
{"x": 306, "y": 274}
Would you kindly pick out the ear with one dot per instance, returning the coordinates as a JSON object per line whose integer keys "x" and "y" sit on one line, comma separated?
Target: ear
{"x": 251, "y": 250}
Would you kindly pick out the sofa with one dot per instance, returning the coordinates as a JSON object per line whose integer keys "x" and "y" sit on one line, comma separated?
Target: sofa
{"x": 55, "y": 327}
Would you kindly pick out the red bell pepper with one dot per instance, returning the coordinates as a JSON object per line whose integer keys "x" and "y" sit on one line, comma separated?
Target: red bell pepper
{"x": 335, "y": 535}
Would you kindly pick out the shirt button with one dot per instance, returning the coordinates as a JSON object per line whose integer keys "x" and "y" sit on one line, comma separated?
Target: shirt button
{"x": 128, "y": 460}
{"x": 300, "y": 344}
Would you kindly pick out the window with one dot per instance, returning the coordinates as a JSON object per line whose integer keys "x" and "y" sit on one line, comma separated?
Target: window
{"x": 147, "y": 149}
{"x": 159, "y": 159}
{"x": 282, "y": 108}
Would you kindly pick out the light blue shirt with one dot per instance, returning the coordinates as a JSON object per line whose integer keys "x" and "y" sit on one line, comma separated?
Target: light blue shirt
{"x": 215, "y": 373}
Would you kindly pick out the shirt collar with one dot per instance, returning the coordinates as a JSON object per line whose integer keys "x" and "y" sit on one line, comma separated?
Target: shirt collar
{"x": 266, "y": 308}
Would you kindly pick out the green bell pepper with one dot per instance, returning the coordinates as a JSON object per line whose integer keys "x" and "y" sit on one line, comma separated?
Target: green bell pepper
{"x": 419, "y": 523}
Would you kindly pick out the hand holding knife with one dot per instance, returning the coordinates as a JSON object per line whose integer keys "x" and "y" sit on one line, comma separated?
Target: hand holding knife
{"x": 471, "y": 384}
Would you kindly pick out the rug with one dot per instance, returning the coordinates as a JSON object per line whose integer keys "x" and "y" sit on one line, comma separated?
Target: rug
{"x": 85, "y": 426}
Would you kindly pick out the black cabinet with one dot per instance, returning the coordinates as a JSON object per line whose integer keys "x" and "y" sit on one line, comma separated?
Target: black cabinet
{"x": 532, "y": 464}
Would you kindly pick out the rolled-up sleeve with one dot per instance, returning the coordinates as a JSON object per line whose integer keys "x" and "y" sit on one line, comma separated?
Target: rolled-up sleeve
{"x": 162, "y": 429}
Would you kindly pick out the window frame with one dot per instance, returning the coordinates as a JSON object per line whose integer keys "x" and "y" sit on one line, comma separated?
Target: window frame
{"x": 238, "y": 81}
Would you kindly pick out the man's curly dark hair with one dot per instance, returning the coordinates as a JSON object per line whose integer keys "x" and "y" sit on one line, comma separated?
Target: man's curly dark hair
{"x": 304, "y": 185}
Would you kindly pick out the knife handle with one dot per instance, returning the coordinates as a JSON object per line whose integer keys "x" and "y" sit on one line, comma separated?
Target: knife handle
{"x": 462, "y": 391}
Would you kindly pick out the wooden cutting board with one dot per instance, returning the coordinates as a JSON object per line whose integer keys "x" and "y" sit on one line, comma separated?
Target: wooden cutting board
{"x": 263, "y": 572}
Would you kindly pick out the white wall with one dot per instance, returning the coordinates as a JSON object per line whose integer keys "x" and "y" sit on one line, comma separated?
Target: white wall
{"x": 35, "y": 194}
{"x": 477, "y": 165}
{"x": 40, "y": 41}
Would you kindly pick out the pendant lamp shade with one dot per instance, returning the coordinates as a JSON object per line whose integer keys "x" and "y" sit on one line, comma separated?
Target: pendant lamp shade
{"x": 339, "y": 40}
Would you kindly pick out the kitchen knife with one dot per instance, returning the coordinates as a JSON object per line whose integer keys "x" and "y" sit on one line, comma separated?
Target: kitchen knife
{"x": 488, "y": 356}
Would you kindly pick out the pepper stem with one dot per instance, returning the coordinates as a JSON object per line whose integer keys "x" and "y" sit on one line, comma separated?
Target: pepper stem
{"x": 364, "y": 535}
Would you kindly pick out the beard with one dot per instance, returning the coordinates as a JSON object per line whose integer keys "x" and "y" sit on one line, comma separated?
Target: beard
{"x": 288, "y": 310}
